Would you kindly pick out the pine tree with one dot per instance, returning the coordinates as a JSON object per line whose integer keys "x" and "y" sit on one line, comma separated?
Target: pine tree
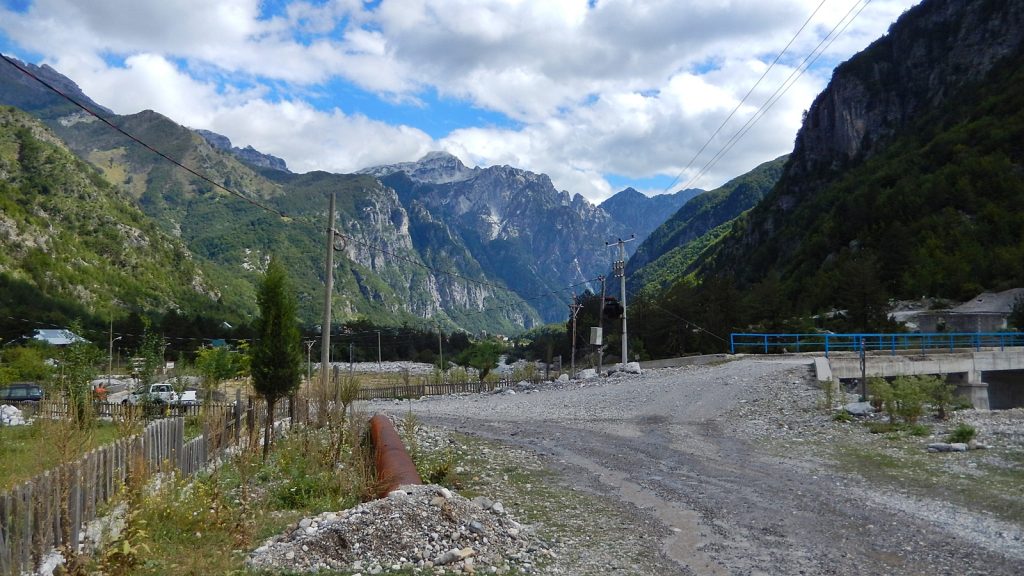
{"x": 276, "y": 354}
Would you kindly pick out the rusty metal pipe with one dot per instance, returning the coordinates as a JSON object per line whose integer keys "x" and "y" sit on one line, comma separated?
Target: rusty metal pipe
{"x": 394, "y": 466}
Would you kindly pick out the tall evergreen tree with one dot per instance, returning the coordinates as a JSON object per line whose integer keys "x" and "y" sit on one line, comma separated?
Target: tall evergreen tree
{"x": 276, "y": 354}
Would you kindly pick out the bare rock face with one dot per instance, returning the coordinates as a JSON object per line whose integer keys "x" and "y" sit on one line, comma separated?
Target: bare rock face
{"x": 931, "y": 52}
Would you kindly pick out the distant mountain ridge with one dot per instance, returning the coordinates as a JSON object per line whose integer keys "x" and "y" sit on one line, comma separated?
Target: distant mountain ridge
{"x": 514, "y": 224}
{"x": 249, "y": 155}
{"x": 640, "y": 214}
{"x": 667, "y": 253}
{"x": 491, "y": 249}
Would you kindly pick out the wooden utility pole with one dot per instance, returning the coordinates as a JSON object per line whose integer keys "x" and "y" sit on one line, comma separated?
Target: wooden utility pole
{"x": 325, "y": 331}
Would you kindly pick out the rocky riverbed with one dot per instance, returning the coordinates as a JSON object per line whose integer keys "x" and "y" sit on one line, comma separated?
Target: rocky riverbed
{"x": 734, "y": 468}
{"x": 737, "y": 468}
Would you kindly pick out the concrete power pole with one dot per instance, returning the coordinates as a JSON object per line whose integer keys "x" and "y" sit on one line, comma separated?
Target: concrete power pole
{"x": 619, "y": 268}
{"x": 325, "y": 331}
{"x": 600, "y": 327}
{"x": 574, "y": 308}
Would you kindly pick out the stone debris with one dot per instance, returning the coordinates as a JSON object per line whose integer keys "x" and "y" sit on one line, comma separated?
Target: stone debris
{"x": 11, "y": 416}
{"x": 426, "y": 529}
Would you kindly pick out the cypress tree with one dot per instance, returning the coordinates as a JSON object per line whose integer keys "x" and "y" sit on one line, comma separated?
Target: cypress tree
{"x": 276, "y": 354}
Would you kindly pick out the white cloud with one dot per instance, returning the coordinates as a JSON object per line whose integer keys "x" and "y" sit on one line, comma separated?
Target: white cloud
{"x": 627, "y": 87}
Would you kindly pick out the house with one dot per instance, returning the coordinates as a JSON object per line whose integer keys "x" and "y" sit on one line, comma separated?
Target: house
{"x": 57, "y": 337}
{"x": 987, "y": 312}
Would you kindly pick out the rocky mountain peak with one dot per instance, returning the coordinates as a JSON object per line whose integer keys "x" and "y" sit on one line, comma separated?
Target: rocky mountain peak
{"x": 248, "y": 154}
{"x": 437, "y": 167}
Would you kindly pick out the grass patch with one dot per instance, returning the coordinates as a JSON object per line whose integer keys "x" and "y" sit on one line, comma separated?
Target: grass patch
{"x": 208, "y": 524}
{"x": 26, "y": 451}
{"x": 984, "y": 480}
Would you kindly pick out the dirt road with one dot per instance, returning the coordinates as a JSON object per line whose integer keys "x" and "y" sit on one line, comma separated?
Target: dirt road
{"x": 692, "y": 449}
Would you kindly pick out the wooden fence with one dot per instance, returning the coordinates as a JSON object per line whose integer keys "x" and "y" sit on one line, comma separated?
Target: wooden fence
{"x": 51, "y": 509}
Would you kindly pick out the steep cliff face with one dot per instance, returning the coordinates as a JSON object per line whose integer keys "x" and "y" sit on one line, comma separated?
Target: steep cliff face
{"x": 906, "y": 172}
{"x": 512, "y": 223}
{"x": 934, "y": 50}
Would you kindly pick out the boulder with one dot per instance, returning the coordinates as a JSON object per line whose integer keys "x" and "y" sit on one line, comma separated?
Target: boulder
{"x": 859, "y": 408}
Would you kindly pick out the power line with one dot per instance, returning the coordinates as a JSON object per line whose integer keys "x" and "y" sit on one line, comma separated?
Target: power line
{"x": 677, "y": 316}
{"x": 138, "y": 140}
{"x": 745, "y": 96}
{"x": 253, "y": 202}
{"x": 799, "y": 71}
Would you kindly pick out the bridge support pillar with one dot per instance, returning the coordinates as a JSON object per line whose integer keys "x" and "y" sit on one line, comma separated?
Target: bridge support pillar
{"x": 970, "y": 386}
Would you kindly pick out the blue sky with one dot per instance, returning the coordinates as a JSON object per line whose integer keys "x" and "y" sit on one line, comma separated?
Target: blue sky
{"x": 600, "y": 95}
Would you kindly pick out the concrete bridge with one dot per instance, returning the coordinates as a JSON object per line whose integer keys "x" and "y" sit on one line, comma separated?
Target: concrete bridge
{"x": 990, "y": 378}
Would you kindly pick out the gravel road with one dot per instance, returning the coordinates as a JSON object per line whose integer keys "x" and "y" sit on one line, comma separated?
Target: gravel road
{"x": 705, "y": 456}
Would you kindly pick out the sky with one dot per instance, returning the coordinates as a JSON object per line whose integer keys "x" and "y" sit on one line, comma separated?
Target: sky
{"x": 598, "y": 94}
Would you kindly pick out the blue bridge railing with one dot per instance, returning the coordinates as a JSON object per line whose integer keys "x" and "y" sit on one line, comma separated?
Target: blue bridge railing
{"x": 775, "y": 343}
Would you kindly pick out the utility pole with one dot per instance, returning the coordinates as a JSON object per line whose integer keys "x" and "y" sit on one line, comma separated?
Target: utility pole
{"x": 309, "y": 362}
{"x": 351, "y": 352}
{"x": 110, "y": 352}
{"x": 378, "y": 351}
{"x": 600, "y": 327}
{"x": 325, "y": 331}
{"x": 440, "y": 352}
{"x": 574, "y": 309}
{"x": 619, "y": 268}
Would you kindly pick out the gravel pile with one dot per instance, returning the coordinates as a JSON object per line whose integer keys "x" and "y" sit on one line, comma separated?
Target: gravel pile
{"x": 422, "y": 528}
{"x": 418, "y": 368}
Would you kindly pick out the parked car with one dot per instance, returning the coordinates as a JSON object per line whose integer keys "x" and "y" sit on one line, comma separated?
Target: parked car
{"x": 21, "y": 392}
{"x": 162, "y": 393}
{"x": 159, "y": 393}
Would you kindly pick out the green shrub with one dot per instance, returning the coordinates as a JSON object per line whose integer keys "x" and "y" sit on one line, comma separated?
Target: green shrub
{"x": 910, "y": 397}
{"x": 963, "y": 433}
{"x": 940, "y": 394}
{"x": 920, "y": 430}
{"x": 843, "y": 416}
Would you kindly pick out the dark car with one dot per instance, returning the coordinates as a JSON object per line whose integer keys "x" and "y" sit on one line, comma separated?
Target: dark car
{"x": 21, "y": 392}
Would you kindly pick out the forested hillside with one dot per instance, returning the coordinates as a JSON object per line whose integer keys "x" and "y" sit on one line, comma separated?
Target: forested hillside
{"x": 75, "y": 246}
{"x": 667, "y": 253}
{"x": 907, "y": 174}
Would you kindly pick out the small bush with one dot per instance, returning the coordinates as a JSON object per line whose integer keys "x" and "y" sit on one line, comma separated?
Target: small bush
{"x": 963, "y": 433}
{"x": 843, "y": 416}
{"x": 920, "y": 430}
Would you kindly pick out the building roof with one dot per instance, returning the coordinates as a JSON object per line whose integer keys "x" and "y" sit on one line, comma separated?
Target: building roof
{"x": 57, "y": 337}
{"x": 991, "y": 302}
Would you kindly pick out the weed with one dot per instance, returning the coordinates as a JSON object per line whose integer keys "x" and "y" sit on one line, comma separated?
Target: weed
{"x": 830, "y": 390}
{"x": 963, "y": 433}
{"x": 919, "y": 430}
{"x": 843, "y": 416}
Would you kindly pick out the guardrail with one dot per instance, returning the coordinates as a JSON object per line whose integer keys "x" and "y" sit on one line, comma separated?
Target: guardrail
{"x": 781, "y": 343}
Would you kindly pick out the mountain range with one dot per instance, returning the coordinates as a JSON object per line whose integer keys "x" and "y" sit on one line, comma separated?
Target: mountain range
{"x": 495, "y": 248}
{"x": 906, "y": 179}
